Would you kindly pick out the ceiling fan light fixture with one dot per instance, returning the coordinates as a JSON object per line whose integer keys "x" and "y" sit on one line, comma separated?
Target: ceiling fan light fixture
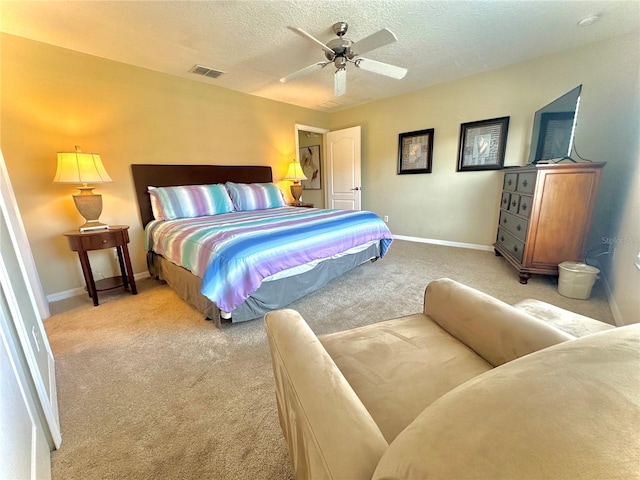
{"x": 340, "y": 51}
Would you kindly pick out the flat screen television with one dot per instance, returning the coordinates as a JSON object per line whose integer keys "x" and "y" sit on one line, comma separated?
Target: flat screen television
{"x": 554, "y": 126}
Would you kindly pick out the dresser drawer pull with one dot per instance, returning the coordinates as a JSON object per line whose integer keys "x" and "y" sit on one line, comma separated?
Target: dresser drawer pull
{"x": 502, "y": 238}
{"x": 504, "y": 220}
{"x": 515, "y": 248}
{"x": 518, "y": 227}
{"x": 524, "y": 183}
{"x": 523, "y": 206}
{"x": 509, "y": 182}
{"x": 513, "y": 204}
{"x": 504, "y": 201}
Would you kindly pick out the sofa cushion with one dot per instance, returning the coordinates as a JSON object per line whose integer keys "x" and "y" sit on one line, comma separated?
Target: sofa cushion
{"x": 398, "y": 367}
{"x": 573, "y": 323}
{"x": 568, "y": 411}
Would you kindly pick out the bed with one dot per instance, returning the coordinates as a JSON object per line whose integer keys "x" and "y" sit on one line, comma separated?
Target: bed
{"x": 238, "y": 261}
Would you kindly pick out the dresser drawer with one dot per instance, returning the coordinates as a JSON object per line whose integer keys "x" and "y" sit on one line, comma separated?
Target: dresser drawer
{"x": 514, "y": 204}
{"x": 510, "y": 182}
{"x": 515, "y": 225}
{"x": 514, "y": 246}
{"x": 526, "y": 182}
{"x": 524, "y": 208}
{"x": 505, "y": 201}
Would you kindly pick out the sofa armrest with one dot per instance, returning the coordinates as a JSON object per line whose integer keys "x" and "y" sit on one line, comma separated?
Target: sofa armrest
{"x": 495, "y": 330}
{"x": 329, "y": 432}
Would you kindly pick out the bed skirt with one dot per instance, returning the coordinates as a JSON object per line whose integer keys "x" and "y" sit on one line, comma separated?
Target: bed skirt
{"x": 272, "y": 295}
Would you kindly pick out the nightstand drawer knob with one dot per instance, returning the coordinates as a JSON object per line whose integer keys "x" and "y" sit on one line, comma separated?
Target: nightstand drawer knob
{"x": 104, "y": 241}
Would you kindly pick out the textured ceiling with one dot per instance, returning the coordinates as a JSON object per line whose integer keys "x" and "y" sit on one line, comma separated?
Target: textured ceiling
{"x": 438, "y": 41}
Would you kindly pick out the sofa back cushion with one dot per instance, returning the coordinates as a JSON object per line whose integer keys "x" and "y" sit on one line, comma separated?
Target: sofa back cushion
{"x": 495, "y": 330}
{"x": 569, "y": 411}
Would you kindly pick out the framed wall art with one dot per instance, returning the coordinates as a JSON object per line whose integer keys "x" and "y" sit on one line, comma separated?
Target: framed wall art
{"x": 415, "y": 152}
{"x": 482, "y": 144}
{"x": 310, "y": 163}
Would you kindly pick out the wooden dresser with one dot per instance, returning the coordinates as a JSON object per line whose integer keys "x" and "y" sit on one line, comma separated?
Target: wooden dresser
{"x": 545, "y": 215}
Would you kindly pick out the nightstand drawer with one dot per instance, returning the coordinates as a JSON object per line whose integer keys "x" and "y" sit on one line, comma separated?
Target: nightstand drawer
{"x": 514, "y": 246}
{"x": 104, "y": 240}
{"x": 515, "y": 225}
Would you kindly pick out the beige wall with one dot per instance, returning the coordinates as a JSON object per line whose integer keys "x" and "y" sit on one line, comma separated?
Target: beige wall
{"x": 463, "y": 207}
{"x": 53, "y": 99}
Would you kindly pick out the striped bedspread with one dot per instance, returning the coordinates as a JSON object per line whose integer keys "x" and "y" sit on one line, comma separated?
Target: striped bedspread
{"x": 234, "y": 252}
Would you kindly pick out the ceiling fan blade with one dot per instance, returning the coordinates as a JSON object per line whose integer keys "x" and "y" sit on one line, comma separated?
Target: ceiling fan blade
{"x": 303, "y": 72}
{"x": 373, "y": 41}
{"x": 308, "y": 36}
{"x": 340, "y": 82}
{"x": 381, "y": 68}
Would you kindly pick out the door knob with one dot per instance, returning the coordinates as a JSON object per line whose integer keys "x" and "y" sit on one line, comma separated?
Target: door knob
{"x": 356, "y": 189}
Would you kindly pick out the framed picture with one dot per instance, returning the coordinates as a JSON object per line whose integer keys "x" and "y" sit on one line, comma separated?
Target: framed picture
{"x": 415, "y": 151}
{"x": 482, "y": 144}
{"x": 310, "y": 163}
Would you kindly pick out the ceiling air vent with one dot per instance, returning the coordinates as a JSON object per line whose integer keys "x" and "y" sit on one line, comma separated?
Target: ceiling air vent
{"x": 206, "y": 71}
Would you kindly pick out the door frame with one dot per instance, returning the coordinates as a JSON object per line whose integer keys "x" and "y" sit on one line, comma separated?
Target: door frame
{"x": 323, "y": 131}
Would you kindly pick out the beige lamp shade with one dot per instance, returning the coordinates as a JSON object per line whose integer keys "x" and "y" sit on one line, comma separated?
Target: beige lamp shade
{"x": 79, "y": 167}
{"x": 295, "y": 174}
{"x": 84, "y": 168}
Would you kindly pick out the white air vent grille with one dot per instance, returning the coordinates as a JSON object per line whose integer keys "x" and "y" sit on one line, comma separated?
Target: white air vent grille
{"x": 329, "y": 104}
{"x": 206, "y": 71}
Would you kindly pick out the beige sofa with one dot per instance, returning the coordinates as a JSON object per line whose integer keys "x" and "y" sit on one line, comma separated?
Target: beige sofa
{"x": 470, "y": 388}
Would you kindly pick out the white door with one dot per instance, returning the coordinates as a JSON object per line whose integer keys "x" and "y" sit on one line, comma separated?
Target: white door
{"x": 24, "y": 450}
{"x": 30, "y": 375}
{"x": 343, "y": 185}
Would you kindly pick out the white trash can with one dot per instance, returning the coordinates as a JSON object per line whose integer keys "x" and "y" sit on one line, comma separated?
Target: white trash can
{"x": 576, "y": 279}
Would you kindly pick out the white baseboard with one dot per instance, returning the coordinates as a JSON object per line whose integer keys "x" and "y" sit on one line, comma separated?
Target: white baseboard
{"x": 615, "y": 311}
{"x": 74, "y": 292}
{"x": 486, "y": 248}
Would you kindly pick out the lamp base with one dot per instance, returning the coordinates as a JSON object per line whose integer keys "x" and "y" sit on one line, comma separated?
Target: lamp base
{"x": 296, "y": 192}
{"x": 89, "y": 205}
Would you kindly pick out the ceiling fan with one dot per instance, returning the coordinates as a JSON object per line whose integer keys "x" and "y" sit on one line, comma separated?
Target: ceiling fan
{"x": 341, "y": 51}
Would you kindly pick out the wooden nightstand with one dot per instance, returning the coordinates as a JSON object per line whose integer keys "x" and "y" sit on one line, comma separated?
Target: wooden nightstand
{"x": 301, "y": 205}
{"x": 116, "y": 237}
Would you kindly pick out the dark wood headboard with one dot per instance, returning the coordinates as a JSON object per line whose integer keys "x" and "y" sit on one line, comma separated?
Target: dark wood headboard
{"x": 145, "y": 175}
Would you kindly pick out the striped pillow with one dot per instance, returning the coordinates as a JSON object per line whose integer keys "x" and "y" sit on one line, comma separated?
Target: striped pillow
{"x": 168, "y": 203}
{"x": 255, "y": 196}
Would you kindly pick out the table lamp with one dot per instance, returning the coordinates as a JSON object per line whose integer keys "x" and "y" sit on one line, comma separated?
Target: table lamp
{"x": 84, "y": 168}
{"x": 295, "y": 174}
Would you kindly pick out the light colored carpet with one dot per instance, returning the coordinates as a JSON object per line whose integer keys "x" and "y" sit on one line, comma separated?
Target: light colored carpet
{"x": 147, "y": 389}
